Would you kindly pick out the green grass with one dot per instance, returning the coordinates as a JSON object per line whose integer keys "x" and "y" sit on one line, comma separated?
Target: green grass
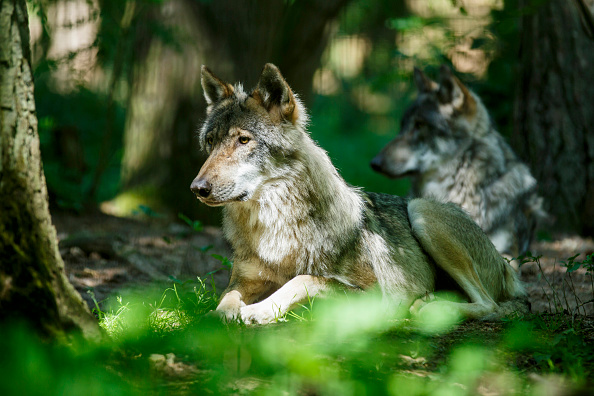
{"x": 163, "y": 341}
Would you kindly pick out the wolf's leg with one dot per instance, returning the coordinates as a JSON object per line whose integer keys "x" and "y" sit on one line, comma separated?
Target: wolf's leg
{"x": 445, "y": 233}
{"x": 238, "y": 295}
{"x": 245, "y": 287}
{"x": 284, "y": 299}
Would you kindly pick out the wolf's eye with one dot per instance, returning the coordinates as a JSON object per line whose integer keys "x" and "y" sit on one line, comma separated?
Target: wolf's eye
{"x": 419, "y": 124}
{"x": 244, "y": 139}
{"x": 209, "y": 141}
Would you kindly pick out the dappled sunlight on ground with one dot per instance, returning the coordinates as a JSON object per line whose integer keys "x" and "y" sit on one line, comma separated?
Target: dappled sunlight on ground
{"x": 109, "y": 254}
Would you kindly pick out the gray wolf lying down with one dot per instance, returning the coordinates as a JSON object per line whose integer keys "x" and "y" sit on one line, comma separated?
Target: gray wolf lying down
{"x": 297, "y": 228}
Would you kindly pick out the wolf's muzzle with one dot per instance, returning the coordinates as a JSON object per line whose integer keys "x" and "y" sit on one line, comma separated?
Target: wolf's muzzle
{"x": 201, "y": 187}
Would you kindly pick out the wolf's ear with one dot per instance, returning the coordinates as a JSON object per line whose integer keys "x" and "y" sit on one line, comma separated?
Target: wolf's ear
{"x": 452, "y": 91}
{"x": 423, "y": 83}
{"x": 214, "y": 88}
{"x": 275, "y": 95}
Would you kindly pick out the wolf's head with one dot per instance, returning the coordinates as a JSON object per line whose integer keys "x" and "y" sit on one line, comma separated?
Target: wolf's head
{"x": 433, "y": 128}
{"x": 249, "y": 138}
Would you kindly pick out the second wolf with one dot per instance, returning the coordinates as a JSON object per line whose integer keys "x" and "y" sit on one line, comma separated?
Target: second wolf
{"x": 448, "y": 145}
{"x": 297, "y": 228}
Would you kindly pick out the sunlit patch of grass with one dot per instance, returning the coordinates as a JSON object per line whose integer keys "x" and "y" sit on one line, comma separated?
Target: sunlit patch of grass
{"x": 175, "y": 308}
{"x": 113, "y": 323}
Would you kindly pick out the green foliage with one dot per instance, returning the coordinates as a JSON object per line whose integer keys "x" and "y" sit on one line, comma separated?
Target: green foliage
{"x": 572, "y": 265}
{"x": 195, "y": 225}
{"x": 205, "y": 249}
{"x": 147, "y": 211}
{"x": 225, "y": 262}
{"x": 351, "y": 139}
{"x": 32, "y": 367}
{"x": 346, "y": 347}
{"x": 165, "y": 341}
{"x": 81, "y": 125}
{"x": 71, "y": 132}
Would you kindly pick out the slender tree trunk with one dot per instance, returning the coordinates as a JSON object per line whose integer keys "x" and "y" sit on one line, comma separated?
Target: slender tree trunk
{"x": 234, "y": 38}
{"x": 554, "y": 113}
{"x": 33, "y": 285}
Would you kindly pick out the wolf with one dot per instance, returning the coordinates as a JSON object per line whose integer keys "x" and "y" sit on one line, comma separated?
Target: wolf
{"x": 297, "y": 229}
{"x": 449, "y": 147}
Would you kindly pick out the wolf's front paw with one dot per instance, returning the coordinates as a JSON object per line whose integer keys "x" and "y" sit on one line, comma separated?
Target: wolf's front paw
{"x": 229, "y": 313}
{"x": 226, "y": 316}
{"x": 421, "y": 302}
{"x": 258, "y": 314}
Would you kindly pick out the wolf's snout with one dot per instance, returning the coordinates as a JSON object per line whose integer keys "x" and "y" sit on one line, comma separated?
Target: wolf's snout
{"x": 376, "y": 163}
{"x": 201, "y": 187}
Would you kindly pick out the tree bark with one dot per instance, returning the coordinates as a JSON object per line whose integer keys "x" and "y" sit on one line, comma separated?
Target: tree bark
{"x": 234, "y": 38}
{"x": 33, "y": 284}
{"x": 554, "y": 117}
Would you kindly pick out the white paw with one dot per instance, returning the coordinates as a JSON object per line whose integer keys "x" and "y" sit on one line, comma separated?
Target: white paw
{"x": 259, "y": 314}
{"x": 231, "y": 312}
{"x": 420, "y": 303}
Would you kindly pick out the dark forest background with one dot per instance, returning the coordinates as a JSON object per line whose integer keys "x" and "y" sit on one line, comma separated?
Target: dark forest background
{"x": 119, "y": 100}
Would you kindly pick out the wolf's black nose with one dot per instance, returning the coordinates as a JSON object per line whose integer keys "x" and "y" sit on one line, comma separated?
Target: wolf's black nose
{"x": 201, "y": 187}
{"x": 376, "y": 164}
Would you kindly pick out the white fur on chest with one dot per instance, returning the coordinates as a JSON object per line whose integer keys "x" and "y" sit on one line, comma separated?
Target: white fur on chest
{"x": 261, "y": 229}
{"x": 278, "y": 233}
{"x": 278, "y": 227}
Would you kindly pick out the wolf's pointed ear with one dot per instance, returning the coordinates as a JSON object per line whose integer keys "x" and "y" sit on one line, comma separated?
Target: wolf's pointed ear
{"x": 214, "y": 88}
{"x": 275, "y": 95}
{"x": 423, "y": 83}
{"x": 452, "y": 91}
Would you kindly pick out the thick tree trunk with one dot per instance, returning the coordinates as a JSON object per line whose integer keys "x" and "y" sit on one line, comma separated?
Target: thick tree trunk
{"x": 554, "y": 113}
{"x": 234, "y": 38}
{"x": 33, "y": 285}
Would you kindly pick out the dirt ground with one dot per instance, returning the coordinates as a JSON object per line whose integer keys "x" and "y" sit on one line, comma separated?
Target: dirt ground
{"x": 108, "y": 255}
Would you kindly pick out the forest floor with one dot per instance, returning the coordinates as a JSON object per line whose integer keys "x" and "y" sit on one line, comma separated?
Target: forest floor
{"x": 107, "y": 254}
{"x": 111, "y": 255}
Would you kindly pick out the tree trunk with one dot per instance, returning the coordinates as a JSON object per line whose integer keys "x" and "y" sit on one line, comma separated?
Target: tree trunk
{"x": 250, "y": 33}
{"x": 33, "y": 285}
{"x": 234, "y": 38}
{"x": 554, "y": 110}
